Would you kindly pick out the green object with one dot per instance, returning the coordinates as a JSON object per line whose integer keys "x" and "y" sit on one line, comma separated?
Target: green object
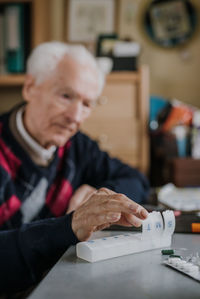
{"x": 167, "y": 251}
{"x": 175, "y": 255}
{"x": 14, "y": 20}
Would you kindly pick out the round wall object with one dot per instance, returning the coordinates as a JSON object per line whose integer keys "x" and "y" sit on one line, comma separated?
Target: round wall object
{"x": 170, "y": 23}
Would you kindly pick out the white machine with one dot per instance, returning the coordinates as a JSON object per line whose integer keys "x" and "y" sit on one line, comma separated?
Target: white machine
{"x": 157, "y": 232}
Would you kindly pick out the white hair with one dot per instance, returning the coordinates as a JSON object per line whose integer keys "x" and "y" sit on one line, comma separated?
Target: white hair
{"x": 45, "y": 57}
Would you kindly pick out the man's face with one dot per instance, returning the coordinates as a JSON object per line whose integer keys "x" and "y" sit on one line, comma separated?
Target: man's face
{"x": 57, "y": 107}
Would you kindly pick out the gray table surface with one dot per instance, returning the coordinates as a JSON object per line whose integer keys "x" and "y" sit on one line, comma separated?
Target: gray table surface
{"x": 140, "y": 275}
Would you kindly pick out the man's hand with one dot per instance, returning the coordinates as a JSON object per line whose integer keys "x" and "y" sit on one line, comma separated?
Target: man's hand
{"x": 103, "y": 208}
{"x": 80, "y": 196}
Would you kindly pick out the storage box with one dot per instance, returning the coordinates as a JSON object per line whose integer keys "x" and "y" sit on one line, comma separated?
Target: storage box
{"x": 124, "y": 63}
{"x": 184, "y": 172}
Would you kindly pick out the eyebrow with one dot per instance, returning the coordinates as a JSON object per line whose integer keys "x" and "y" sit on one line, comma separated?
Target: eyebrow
{"x": 68, "y": 89}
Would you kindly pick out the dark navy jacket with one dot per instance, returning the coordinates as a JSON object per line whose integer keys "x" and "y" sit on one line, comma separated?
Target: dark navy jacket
{"x": 26, "y": 253}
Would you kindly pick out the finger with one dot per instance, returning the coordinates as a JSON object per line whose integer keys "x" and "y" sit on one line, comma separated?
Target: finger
{"x": 137, "y": 209}
{"x": 133, "y": 220}
{"x": 90, "y": 221}
{"x": 99, "y": 204}
{"x": 140, "y": 212}
{"x": 123, "y": 222}
{"x": 121, "y": 203}
{"x": 82, "y": 234}
{"x": 100, "y": 197}
{"x": 103, "y": 226}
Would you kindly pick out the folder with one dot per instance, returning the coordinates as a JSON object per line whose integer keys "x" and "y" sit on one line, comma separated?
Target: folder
{"x": 14, "y": 37}
{"x": 2, "y": 44}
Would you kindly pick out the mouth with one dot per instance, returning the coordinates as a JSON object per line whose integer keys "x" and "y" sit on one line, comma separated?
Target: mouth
{"x": 66, "y": 128}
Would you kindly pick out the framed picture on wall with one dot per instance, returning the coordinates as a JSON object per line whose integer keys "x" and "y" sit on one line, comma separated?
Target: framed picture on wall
{"x": 170, "y": 20}
{"x": 170, "y": 23}
{"x": 127, "y": 16}
{"x": 89, "y": 18}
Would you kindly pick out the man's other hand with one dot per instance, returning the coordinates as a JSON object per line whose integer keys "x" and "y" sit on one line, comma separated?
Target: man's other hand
{"x": 103, "y": 208}
{"x": 80, "y": 196}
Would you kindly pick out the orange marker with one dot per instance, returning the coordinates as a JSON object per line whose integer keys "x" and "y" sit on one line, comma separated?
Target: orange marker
{"x": 195, "y": 227}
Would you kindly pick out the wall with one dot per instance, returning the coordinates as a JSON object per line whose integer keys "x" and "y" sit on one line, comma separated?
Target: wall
{"x": 9, "y": 96}
{"x": 174, "y": 73}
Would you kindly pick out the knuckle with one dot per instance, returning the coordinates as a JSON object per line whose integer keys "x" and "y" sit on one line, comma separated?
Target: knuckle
{"x": 120, "y": 196}
{"x": 138, "y": 209}
{"x": 103, "y": 189}
{"x": 109, "y": 204}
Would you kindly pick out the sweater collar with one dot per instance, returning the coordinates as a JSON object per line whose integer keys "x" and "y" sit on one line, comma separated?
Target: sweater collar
{"x": 44, "y": 154}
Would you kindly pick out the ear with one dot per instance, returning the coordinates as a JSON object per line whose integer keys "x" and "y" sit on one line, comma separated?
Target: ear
{"x": 29, "y": 88}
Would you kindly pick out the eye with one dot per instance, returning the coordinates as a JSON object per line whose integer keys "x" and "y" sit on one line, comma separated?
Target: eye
{"x": 86, "y": 104}
{"x": 89, "y": 104}
{"x": 66, "y": 96}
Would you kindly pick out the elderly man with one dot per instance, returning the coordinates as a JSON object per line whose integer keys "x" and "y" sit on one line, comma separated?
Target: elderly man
{"x": 46, "y": 167}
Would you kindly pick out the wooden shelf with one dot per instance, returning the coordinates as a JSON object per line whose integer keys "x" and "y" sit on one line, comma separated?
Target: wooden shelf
{"x": 12, "y": 80}
{"x": 17, "y": 80}
{"x": 13, "y": 1}
{"x": 39, "y": 32}
{"x": 123, "y": 76}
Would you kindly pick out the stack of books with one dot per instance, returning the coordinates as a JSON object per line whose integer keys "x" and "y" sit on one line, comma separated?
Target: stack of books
{"x": 14, "y": 37}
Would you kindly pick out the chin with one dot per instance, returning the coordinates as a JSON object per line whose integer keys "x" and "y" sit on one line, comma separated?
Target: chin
{"x": 61, "y": 140}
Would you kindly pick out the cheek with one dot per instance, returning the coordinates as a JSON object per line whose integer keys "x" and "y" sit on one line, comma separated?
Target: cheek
{"x": 43, "y": 119}
{"x": 52, "y": 112}
{"x": 86, "y": 114}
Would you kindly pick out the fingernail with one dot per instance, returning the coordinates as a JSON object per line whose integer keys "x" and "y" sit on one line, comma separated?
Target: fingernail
{"x": 138, "y": 224}
{"x": 113, "y": 216}
{"x": 144, "y": 213}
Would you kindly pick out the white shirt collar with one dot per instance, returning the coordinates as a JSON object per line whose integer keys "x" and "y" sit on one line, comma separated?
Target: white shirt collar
{"x": 44, "y": 154}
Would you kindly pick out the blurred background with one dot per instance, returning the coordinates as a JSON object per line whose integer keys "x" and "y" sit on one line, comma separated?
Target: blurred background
{"x": 148, "y": 114}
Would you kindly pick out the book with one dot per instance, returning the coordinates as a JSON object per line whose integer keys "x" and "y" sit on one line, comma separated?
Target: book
{"x": 2, "y": 43}
{"x": 14, "y": 37}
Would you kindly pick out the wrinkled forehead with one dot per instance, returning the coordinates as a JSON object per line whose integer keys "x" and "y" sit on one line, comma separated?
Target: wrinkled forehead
{"x": 82, "y": 77}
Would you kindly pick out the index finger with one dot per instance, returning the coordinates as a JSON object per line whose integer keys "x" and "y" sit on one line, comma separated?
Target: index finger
{"x": 115, "y": 202}
{"x": 129, "y": 204}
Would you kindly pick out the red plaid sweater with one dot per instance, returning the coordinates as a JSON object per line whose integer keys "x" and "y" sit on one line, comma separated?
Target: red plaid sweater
{"x": 30, "y": 192}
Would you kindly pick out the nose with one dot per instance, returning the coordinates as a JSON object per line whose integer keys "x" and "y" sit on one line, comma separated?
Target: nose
{"x": 74, "y": 111}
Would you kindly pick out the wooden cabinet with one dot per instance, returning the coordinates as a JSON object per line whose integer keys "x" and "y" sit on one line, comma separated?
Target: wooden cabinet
{"x": 119, "y": 122}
